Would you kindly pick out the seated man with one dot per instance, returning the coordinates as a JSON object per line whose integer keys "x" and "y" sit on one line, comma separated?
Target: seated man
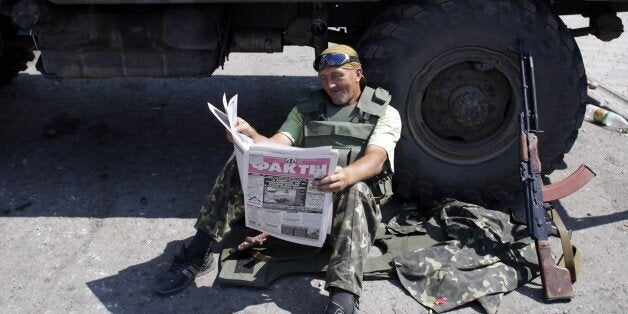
{"x": 370, "y": 129}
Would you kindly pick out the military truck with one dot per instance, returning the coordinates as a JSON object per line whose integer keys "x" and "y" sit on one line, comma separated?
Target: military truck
{"x": 449, "y": 64}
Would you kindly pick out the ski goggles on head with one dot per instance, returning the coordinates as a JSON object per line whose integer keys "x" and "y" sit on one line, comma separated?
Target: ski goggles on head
{"x": 333, "y": 59}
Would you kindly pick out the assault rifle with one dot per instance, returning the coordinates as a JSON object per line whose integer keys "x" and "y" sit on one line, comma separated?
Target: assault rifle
{"x": 557, "y": 281}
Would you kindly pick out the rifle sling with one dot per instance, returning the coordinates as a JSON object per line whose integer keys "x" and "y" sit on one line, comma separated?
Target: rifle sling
{"x": 571, "y": 259}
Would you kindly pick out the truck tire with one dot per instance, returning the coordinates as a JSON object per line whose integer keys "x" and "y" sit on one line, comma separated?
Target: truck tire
{"x": 14, "y": 52}
{"x": 455, "y": 79}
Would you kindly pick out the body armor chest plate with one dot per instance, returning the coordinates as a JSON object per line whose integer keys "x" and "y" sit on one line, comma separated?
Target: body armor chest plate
{"x": 346, "y": 128}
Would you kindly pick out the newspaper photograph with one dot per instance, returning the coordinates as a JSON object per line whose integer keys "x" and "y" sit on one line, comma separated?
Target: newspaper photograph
{"x": 278, "y": 182}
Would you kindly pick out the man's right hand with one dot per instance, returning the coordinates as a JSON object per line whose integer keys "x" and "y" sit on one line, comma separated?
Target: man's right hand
{"x": 243, "y": 127}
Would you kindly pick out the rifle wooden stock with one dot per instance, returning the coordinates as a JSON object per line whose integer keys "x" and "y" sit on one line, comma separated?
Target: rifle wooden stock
{"x": 556, "y": 280}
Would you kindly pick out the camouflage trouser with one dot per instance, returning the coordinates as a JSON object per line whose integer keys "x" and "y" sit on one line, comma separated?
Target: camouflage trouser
{"x": 224, "y": 206}
{"x": 356, "y": 215}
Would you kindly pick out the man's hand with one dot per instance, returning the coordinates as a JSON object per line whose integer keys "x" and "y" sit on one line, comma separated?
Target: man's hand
{"x": 335, "y": 182}
{"x": 243, "y": 127}
{"x": 363, "y": 168}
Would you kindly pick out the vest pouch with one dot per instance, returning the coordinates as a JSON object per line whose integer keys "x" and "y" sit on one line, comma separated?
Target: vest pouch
{"x": 381, "y": 187}
{"x": 347, "y": 154}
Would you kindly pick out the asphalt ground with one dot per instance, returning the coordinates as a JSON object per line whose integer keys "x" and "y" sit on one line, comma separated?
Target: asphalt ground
{"x": 101, "y": 181}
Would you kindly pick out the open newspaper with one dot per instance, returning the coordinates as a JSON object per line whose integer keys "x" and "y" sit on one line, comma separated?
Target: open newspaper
{"x": 280, "y": 197}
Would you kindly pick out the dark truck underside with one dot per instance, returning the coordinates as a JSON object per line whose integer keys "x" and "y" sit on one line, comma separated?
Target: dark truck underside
{"x": 449, "y": 65}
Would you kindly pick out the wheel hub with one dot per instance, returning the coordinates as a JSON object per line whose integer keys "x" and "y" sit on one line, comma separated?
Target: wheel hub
{"x": 463, "y": 105}
{"x": 468, "y": 106}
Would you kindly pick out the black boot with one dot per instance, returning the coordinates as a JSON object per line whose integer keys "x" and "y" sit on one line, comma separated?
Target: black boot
{"x": 190, "y": 262}
{"x": 341, "y": 302}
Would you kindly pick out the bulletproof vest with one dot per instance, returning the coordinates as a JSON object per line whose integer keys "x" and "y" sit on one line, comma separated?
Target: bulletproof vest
{"x": 347, "y": 128}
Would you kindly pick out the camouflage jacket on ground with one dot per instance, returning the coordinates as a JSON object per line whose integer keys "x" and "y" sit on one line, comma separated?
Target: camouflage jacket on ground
{"x": 486, "y": 257}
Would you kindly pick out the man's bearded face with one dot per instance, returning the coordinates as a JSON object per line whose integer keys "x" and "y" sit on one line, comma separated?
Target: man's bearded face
{"x": 342, "y": 85}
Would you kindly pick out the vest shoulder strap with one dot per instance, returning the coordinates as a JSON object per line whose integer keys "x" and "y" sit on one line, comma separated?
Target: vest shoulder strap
{"x": 372, "y": 104}
{"x": 310, "y": 101}
{"x": 374, "y": 101}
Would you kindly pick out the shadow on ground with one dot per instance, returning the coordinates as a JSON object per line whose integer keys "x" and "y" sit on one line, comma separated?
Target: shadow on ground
{"x": 130, "y": 290}
{"x": 123, "y": 147}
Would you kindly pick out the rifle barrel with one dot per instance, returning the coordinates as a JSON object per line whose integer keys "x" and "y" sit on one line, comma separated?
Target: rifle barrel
{"x": 535, "y": 114}
{"x": 524, "y": 87}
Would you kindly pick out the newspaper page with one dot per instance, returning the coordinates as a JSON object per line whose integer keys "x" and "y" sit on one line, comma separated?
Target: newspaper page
{"x": 280, "y": 196}
{"x": 241, "y": 142}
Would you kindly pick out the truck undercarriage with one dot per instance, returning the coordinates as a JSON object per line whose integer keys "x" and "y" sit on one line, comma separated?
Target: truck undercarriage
{"x": 448, "y": 64}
